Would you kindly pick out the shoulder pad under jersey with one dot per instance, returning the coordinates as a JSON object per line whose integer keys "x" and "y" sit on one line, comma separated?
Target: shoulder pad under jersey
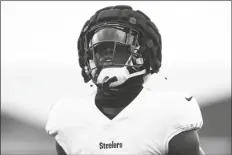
{"x": 62, "y": 112}
{"x": 182, "y": 113}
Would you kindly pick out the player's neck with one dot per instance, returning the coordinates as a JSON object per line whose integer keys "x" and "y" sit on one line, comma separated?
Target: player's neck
{"x": 111, "y": 105}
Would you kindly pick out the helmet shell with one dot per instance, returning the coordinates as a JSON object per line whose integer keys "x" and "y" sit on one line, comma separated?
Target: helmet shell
{"x": 151, "y": 44}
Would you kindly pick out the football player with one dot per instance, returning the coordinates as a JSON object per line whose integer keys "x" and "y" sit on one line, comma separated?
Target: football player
{"x": 119, "y": 48}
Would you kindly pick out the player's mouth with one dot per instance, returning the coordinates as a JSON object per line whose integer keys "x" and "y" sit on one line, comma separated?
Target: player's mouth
{"x": 107, "y": 61}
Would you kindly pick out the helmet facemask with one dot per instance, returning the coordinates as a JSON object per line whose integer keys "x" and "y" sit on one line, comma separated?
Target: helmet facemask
{"x": 112, "y": 55}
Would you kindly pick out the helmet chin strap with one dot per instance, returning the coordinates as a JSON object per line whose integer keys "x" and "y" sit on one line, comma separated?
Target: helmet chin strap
{"x": 105, "y": 86}
{"x": 108, "y": 81}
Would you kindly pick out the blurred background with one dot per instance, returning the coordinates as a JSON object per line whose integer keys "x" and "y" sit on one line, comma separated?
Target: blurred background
{"x": 39, "y": 64}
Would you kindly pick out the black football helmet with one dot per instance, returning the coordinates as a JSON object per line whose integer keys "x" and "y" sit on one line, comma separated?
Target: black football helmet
{"x": 118, "y": 36}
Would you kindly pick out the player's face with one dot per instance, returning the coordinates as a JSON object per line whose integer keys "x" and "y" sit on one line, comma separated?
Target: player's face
{"x": 111, "y": 47}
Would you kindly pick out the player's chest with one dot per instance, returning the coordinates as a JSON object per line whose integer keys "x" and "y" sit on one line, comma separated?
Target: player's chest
{"x": 124, "y": 134}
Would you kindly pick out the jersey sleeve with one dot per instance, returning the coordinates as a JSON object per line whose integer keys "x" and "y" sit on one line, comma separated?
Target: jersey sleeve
{"x": 185, "y": 115}
{"x": 53, "y": 118}
{"x": 54, "y": 122}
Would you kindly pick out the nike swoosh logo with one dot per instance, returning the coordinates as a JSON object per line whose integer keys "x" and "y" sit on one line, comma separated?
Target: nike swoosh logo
{"x": 189, "y": 98}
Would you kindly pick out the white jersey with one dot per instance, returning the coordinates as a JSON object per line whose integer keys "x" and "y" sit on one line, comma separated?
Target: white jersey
{"x": 145, "y": 126}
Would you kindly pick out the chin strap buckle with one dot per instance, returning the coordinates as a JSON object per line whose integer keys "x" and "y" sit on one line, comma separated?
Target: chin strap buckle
{"x": 105, "y": 86}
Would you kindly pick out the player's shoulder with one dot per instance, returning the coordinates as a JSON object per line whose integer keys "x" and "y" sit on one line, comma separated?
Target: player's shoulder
{"x": 160, "y": 89}
{"x": 181, "y": 106}
{"x": 71, "y": 103}
{"x": 65, "y": 105}
{"x": 79, "y": 98}
{"x": 173, "y": 102}
{"x": 170, "y": 98}
{"x": 67, "y": 102}
{"x": 68, "y": 110}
